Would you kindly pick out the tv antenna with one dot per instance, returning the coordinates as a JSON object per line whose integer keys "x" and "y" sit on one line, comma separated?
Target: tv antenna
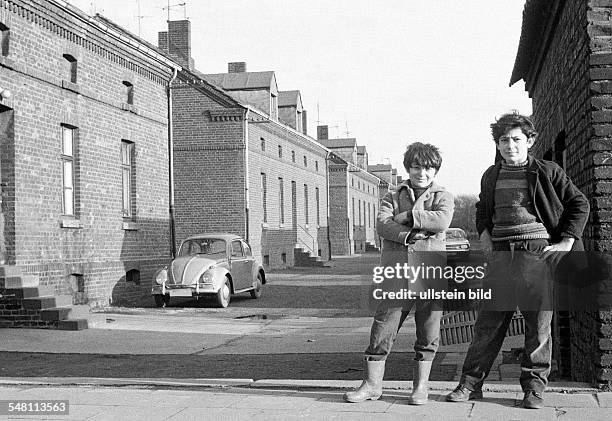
{"x": 170, "y": 6}
{"x": 140, "y": 17}
{"x": 347, "y": 130}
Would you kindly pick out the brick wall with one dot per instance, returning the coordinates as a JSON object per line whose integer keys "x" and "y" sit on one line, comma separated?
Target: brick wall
{"x": 44, "y": 98}
{"x": 273, "y": 237}
{"x": 340, "y": 232}
{"x": 573, "y": 107}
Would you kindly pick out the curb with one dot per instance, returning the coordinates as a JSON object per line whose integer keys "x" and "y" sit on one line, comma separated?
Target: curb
{"x": 286, "y": 384}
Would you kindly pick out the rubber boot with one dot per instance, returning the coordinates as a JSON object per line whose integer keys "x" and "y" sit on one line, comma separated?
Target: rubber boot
{"x": 419, "y": 383}
{"x": 371, "y": 387}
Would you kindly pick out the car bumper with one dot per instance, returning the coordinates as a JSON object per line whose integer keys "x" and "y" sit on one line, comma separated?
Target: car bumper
{"x": 457, "y": 253}
{"x": 184, "y": 291}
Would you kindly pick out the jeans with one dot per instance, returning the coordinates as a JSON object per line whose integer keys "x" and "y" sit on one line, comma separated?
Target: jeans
{"x": 528, "y": 284}
{"x": 388, "y": 321}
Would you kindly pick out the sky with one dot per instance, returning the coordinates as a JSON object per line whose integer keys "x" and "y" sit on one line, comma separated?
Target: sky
{"x": 388, "y": 72}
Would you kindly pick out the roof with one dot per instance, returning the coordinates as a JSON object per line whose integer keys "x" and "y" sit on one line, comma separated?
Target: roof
{"x": 243, "y": 80}
{"x": 379, "y": 167}
{"x": 537, "y": 14}
{"x": 339, "y": 143}
{"x": 289, "y": 98}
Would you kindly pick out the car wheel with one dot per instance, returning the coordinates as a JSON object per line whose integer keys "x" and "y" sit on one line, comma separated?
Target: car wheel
{"x": 224, "y": 293}
{"x": 161, "y": 300}
{"x": 256, "y": 291}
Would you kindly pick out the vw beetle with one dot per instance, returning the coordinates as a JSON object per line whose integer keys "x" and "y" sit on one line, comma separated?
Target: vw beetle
{"x": 216, "y": 265}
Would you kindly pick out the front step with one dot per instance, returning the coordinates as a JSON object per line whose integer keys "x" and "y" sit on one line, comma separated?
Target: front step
{"x": 73, "y": 324}
{"x": 41, "y": 303}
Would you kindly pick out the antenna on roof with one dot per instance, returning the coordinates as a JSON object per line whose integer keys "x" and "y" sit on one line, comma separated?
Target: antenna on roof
{"x": 347, "y": 130}
{"x": 176, "y": 5}
{"x": 318, "y": 117}
{"x": 140, "y": 17}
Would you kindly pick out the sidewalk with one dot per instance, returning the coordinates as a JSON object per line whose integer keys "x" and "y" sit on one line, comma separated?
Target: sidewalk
{"x": 158, "y": 399}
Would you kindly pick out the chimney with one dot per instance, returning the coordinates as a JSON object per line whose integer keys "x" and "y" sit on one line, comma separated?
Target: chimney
{"x": 177, "y": 42}
{"x": 236, "y": 67}
{"x": 304, "y": 122}
{"x": 322, "y": 133}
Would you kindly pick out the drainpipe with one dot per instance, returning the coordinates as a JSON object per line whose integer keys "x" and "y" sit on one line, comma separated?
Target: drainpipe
{"x": 171, "y": 166}
{"x": 327, "y": 207}
{"x": 246, "y": 175}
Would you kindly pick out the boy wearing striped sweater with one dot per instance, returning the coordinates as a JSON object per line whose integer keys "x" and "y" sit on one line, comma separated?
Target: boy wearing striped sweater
{"x": 529, "y": 215}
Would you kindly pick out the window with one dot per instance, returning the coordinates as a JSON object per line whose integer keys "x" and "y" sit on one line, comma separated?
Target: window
{"x": 318, "y": 209}
{"x": 68, "y": 169}
{"x": 352, "y": 182}
{"x": 298, "y": 121}
{"x": 281, "y": 199}
{"x": 127, "y": 173}
{"x": 353, "y": 209}
{"x": 72, "y": 67}
{"x": 247, "y": 249}
{"x": 264, "y": 196}
{"x": 280, "y": 151}
{"x": 237, "y": 249}
{"x": 273, "y": 107}
{"x": 4, "y": 40}
{"x": 129, "y": 92}
{"x": 293, "y": 156}
{"x": 263, "y": 144}
{"x": 369, "y": 216}
{"x": 133, "y": 276}
{"x": 306, "y": 203}
{"x": 359, "y": 210}
{"x": 316, "y": 165}
{"x": 374, "y": 214}
{"x": 305, "y": 161}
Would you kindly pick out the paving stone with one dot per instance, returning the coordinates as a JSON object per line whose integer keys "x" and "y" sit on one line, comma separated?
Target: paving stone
{"x": 590, "y": 414}
{"x": 338, "y": 405}
{"x": 570, "y": 400}
{"x": 432, "y": 410}
{"x": 605, "y": 399}
{"x": 280, "y": 401}
{"x": 200, "y": 399}
{"x": 136, "y": 413}
{"x": 484, "y": 410}
{"x": 225, "y": 414}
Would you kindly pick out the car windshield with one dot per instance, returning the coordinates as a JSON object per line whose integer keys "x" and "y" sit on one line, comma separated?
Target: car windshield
{"x": 214, "y": 247}
{"x": 455, "y": 234}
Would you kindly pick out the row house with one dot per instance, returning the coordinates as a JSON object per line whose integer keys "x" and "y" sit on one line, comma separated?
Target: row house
{"x": 243, "y": 161}
{"x": 84, "y": 152}
{"x": 355, "y": 193}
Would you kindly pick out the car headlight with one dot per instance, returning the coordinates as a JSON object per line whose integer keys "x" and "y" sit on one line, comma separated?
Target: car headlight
{"x": 464, "y": 246}
{"x": 206, "y": 278}
{"x": 161, "y": 276}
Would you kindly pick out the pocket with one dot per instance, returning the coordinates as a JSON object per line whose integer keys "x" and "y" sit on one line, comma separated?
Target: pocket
{"x": 536, "y": 247}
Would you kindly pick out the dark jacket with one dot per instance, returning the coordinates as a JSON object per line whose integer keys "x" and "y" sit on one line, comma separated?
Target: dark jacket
{"x": 559, "y": 204}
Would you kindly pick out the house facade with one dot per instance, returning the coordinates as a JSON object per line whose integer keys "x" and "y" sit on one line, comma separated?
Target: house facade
{"x": 565, "y": 59}
{"x": 84, "y": 152}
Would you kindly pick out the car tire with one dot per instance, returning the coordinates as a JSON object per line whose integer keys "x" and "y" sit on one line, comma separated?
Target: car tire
{"x": 256, "y": 291}
{"x": 161, "y": 300}
{"x": 224, "y": 294}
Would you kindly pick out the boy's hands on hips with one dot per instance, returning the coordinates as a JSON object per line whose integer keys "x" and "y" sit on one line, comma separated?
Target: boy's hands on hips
{"x": 562, "y": 246}
{"x": 487, "y": 244}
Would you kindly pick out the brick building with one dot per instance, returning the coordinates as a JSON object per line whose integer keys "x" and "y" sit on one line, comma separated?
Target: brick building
{"x": 243, "y": 162}
{"x": 565, "y": 58}
{"x": 355, "y": 195}
{"x": 84, "y": 152}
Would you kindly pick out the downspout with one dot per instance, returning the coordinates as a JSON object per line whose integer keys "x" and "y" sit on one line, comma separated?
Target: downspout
{"x": 246, "y": 175}
{"x": 171, "y": 166}
{"x": 329, "y": 249}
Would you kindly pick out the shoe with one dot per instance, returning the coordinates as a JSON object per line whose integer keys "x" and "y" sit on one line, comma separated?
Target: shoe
{"x": 533, "y": 400}
{"x": 420, "y": 377}
{"x": 371, "y": 388}
{"x": 463, "y": 394}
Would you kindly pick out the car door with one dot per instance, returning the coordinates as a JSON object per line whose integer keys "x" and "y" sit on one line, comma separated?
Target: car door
{"x": 248, "y": 254}
{"x": 240, "y": 269}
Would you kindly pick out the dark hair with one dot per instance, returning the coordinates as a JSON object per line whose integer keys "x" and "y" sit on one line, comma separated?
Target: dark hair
{"x": 423, "y": 154}
{"x": 511, "y": 121}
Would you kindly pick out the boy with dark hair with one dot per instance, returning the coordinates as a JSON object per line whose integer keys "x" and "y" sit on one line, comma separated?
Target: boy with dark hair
{"x": 411, "y": 220}
{"x": 529, "y": 215}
